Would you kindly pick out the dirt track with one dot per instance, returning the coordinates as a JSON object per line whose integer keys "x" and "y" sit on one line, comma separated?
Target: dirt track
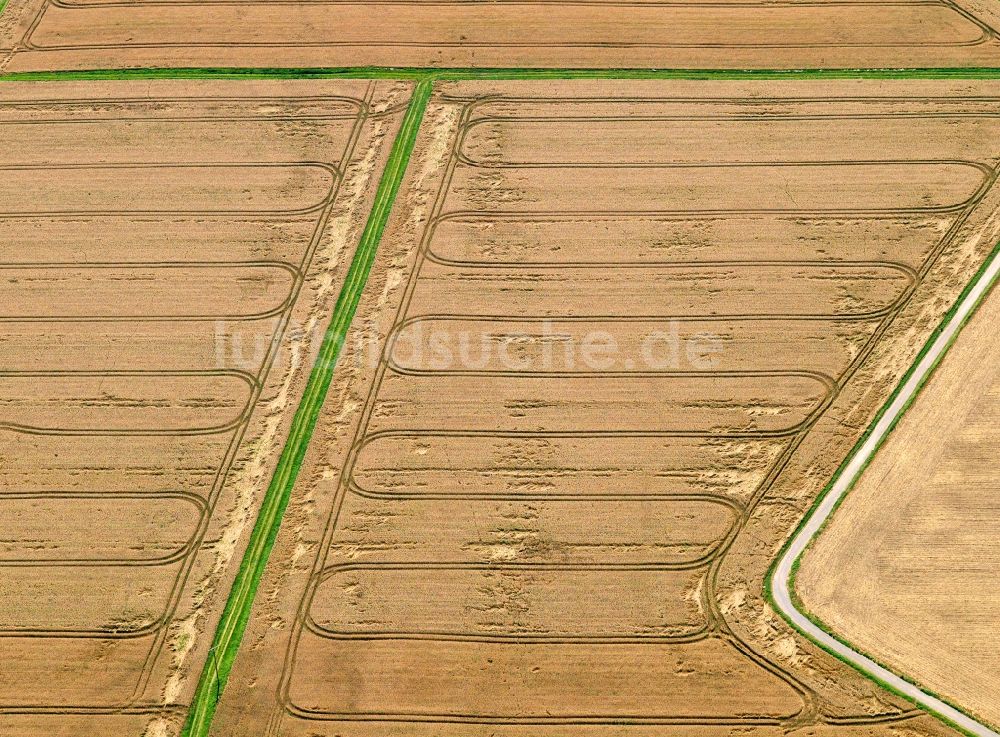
{"x": 169, "y": 251}
{"x": 99, "y": 34}
{"x": 460, "y": 555}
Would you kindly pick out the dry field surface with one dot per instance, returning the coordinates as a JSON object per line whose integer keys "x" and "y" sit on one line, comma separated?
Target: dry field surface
{"x": 623, "y": 334}
{"x": 906, "y": 570}
{"x": 162, "y": 245}
{"x": 97, "y": 34}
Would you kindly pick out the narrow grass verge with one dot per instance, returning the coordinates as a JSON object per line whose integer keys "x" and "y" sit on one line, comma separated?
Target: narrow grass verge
{"x": 235, "y": 616}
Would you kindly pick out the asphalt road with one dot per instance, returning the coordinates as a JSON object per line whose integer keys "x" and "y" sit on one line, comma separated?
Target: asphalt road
{"x": 853, "y": 469}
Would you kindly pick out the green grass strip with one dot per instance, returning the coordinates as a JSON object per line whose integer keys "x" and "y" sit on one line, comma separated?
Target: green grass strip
{"x": 231, "y": 627}
{"x": 796, "y": 600}
{"x": 425, "y": 73}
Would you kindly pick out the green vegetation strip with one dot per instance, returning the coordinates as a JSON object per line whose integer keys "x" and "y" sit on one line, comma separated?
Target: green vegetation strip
{"x": 237, "y": 611}
{"x": 443, "y": 74}
{"x": 796, "y": 600}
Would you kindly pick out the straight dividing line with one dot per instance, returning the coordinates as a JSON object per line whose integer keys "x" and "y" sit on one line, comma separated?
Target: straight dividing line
{"x": 465, "y": 73}
{"x": 236, "y": 614}
{"x": 779, "y": 586}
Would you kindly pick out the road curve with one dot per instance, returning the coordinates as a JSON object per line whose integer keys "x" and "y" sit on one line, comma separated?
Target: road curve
{"x": 782, "y": 573}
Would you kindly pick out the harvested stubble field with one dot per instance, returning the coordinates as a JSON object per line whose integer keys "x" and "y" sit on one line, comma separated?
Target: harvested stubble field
{"x": 906, "y": 569}
{"x": 101, "y": 34}
{"x": 168, "y": 250}
{"x": 617, "y": 337}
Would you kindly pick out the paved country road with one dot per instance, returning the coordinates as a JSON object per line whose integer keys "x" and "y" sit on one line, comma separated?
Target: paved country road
{"x": 783, "y": 571}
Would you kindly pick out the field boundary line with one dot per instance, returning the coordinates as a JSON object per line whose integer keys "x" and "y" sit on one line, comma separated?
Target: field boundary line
{"x": 779, "y": 586}
{"x": 236, "y": 614}
{"x": 421, "y": 74}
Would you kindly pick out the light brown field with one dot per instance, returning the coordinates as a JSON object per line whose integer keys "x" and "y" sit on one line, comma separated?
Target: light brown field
{"x": 519, "y": 514}
{"x": 906, "y": 569}
{"x": 155, "y": 238}
{"x": 98, "y": 34}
